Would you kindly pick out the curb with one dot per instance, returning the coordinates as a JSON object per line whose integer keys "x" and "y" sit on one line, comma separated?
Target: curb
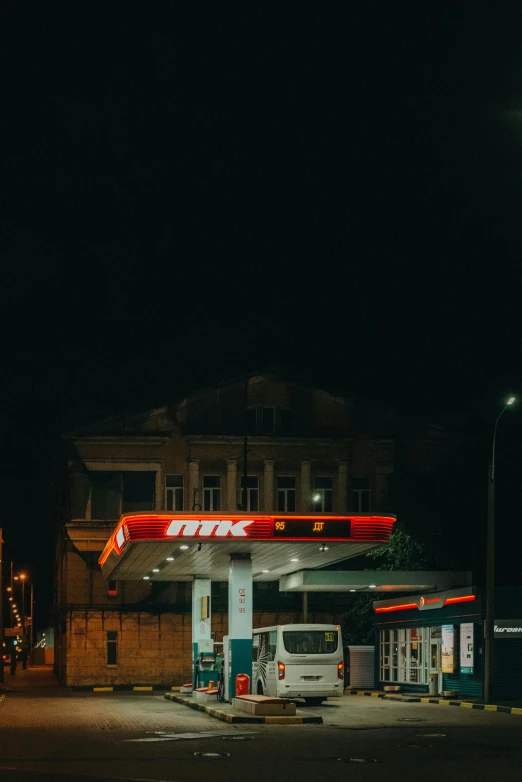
{"x": 237, "y": 719}
{"x": 441, "y": 702}
{"x": 127, "y": 688}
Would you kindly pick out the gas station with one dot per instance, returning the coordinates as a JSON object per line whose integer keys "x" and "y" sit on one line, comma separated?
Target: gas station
{"x": 238, "y": 548}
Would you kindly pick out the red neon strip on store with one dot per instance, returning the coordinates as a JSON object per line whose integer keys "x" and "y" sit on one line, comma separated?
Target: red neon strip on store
{"x": 463, "y": 599}
{"x": 401, "y": 607}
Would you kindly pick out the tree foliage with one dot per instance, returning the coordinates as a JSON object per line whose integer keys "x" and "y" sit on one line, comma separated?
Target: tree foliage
{"x": 401, "y": 553}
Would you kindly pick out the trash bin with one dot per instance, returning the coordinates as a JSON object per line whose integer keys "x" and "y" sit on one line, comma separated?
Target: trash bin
{"x": 242, "y": 684}
{"x": 434, "y": 683}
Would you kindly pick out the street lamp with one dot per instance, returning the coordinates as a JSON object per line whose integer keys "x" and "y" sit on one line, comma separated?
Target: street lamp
{"x": 490, "y": 569}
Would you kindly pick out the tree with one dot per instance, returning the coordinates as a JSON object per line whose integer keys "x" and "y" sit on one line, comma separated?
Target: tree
{"x": 402, "y": 552}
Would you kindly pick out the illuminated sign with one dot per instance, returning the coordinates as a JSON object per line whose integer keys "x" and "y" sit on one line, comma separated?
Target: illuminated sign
{"x": 508, "y": 628}
{"x": 310, "y": 528}
{"x": 448, "y": 648}
{"x": 466, "y": 647}
{"x": 422, "y": 603}
{"x": 208, "y": 528}
{"x": 150, "y": 526}
{"x": 429, "y": 602}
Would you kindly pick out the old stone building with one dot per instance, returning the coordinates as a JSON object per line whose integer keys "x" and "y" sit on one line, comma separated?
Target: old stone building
{"x": 306, "y": 451}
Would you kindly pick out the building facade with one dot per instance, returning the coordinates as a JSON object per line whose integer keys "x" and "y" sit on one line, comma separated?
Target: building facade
{"x": 257, "y": 445}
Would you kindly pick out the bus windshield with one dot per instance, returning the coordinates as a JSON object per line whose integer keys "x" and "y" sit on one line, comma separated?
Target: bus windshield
{"x": 310, "y": 641}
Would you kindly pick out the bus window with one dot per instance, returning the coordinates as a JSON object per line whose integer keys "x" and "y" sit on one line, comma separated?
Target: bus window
{"x": 310, "y": 641}
{"x": 273, "y": 644}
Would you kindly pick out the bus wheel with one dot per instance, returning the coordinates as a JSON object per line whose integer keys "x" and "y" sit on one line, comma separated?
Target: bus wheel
{"x": 260, "y": 689}
{"x": 313, "y": 701}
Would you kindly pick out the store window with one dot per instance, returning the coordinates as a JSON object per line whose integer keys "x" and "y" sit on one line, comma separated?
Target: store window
{"x": 407, "y": 655}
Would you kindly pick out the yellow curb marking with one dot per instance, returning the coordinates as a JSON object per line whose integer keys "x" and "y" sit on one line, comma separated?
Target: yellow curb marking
{"x": 490, "y": 708}
{"x": 466, "y": 705}
{"x": 514, "y": 710}
{"x": 142, "y": 689}
{"x": 102, "y": 689}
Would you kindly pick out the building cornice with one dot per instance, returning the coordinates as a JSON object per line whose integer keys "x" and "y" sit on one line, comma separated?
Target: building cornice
{"x": 202, "y": 439}
{"x": 119, "y": 440}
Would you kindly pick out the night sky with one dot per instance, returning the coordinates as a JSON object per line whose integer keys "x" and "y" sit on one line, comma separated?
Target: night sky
{"x": 186, "y": 197}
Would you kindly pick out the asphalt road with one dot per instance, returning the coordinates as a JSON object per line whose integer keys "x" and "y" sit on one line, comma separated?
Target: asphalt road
{"x": 58, "y": 734}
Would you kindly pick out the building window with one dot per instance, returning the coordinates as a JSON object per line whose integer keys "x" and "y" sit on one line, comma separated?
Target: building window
{"x": 267, "y": 420}
{"x": 112, "y": 588}
{"x": 287, "y": 421}
{"x": 105, "y": 494}
{"x": 211, "y": 492}
{"x": 360, "y": 495}
{"x": 251, "y": 501}
{"x": 174, "y": 492}
{"x": 322, "y": 495}
{"x": 112, "y": 637}
{"x": 251, "y": 420}
{"x": 138, "y": 491}
{"x": 285, "y": 494}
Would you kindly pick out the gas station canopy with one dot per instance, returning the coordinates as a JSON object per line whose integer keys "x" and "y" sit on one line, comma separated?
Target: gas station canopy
{"x": 178, "y": 547}
{"x": 373, "y": 581}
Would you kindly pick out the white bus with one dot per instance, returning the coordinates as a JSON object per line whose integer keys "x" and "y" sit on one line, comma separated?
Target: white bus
{"x": 298, "y": 661}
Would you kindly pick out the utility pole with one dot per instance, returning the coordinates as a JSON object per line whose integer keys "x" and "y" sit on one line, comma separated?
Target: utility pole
{"x": 489, "y": 629}
{"x": 32, "y": 620}
{"x": 1, "y": 607}
{"x": 245, "y": 451}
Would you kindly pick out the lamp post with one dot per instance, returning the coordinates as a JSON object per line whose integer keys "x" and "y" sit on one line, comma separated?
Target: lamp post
{"x": 22, "y": 577}
{"x": 489, "y": 634}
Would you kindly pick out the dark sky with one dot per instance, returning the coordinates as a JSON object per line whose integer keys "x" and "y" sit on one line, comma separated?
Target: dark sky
{"x": 335, "y": 195}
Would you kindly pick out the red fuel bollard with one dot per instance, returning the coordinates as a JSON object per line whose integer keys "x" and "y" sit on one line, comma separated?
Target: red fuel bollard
{"x": 242, "y": 684}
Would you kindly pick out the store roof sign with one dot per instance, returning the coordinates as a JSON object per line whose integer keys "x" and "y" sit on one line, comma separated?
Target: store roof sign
{"x": 426, "y": 603}
{"x": 508, "y": 628}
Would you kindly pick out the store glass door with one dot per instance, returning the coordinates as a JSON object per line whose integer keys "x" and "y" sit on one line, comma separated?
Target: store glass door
{"x": 435, "y": 656}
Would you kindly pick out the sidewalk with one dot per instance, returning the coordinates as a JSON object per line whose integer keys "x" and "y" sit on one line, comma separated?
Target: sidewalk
{"x": 40, "y": 679}
{"x": 411, "y": 697}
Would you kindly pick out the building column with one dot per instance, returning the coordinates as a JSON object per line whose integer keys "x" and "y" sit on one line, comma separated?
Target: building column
{"x": 240, "y": 618}
{"x": 201, "y": 617}
{"x": 306, "y": 486}
{"x": 193, "y": 467}
{"x": 160, "y": 489}
{"x": 341, "y": 502}
{"x": 232, "y": 485}
{"x": 268, "y": 487}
